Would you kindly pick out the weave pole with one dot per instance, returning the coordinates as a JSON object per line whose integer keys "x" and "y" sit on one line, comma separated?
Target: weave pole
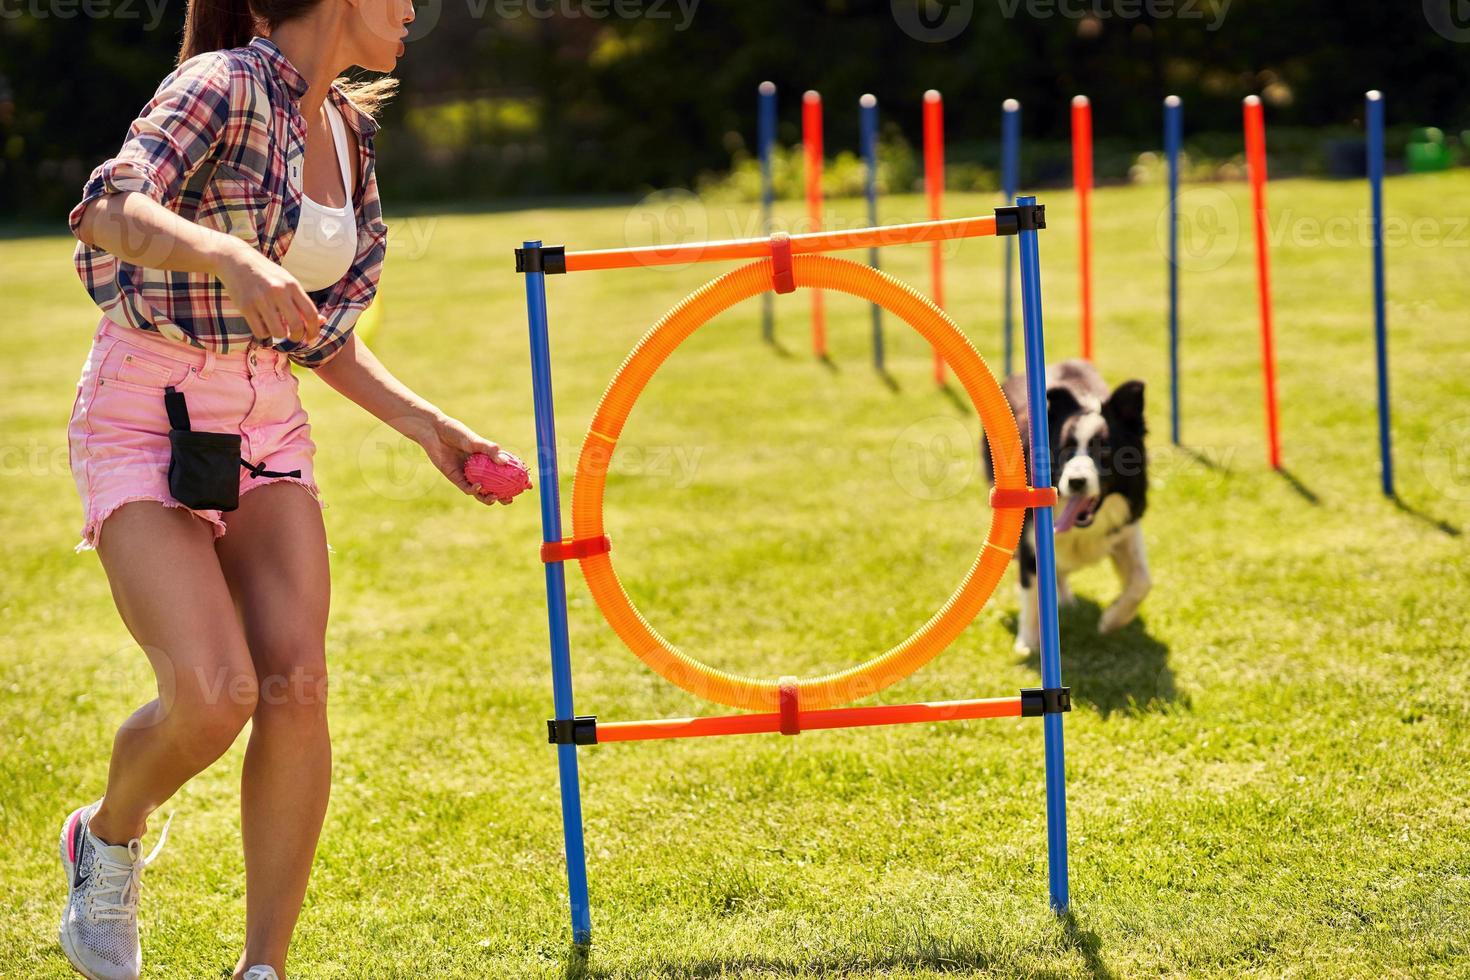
{"x": 766, "y": 142}
{"x": 1380, "y": 312}
{"x": 1046, "y": 569}
{"x": 1010, "y": 180}
{"x": 811, "y": 141}
{"x": 1082, "y": 180}
{"x": 556, "y": 602}
{"x": 868, "y": 122}
{"x": 1255, "y": 158}
{"x": 1173, "y": 126}
{"x": 934, "y": 190}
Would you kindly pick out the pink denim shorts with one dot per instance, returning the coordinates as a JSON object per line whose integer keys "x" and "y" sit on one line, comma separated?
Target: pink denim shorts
{"x": 118, "y": 432}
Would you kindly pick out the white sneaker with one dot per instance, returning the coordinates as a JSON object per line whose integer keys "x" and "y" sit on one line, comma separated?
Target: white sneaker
{"x": 261, "y": 973}
{"x": 99, "y": 926}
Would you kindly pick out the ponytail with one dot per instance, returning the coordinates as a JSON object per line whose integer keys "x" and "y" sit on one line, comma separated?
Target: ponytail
{"x": 215, "y": 25}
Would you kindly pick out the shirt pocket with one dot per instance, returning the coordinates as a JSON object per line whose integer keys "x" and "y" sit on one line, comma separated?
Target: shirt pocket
{"x": 234, "y": 203}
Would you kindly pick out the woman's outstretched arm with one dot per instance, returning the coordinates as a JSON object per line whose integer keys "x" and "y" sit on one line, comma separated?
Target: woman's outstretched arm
{"x": 355, "y": 372}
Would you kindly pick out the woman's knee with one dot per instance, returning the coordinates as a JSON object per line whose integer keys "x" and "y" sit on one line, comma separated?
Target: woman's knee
{"x": 210, "y": 711}
{"x": 292, "y": 678}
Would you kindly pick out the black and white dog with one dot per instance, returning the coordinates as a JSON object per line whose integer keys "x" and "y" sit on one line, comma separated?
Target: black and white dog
{"x": 1099, "y": 468}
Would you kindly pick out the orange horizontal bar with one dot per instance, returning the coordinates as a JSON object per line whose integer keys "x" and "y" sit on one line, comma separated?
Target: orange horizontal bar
{"x": 878, "y": 714}
{"x": 759, "y": 248}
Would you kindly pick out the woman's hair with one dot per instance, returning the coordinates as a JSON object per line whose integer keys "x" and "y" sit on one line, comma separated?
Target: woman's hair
{"x": 217, "y": 25}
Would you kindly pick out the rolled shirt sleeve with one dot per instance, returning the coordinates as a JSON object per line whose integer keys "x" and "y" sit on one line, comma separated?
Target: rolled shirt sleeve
{"x": 175, "y": 131}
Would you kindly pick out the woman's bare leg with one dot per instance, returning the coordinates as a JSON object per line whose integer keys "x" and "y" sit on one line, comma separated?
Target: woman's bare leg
{"x": 274, "y": 557}
{"x": 172, "y": 596}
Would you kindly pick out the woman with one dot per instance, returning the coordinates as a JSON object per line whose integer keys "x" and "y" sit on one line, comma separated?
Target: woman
{"x": 237, "y": 231}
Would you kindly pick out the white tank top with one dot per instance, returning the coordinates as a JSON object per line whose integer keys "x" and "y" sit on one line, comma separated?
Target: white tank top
{"x": 325, "y": 242}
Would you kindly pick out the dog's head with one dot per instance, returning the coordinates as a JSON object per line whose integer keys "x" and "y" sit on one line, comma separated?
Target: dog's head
{"x": 1097, "y": 450}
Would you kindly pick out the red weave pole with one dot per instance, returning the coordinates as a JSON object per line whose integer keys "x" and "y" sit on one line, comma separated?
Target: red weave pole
{"x": 1082, "y": 179}
{"x": 1255, "y": 160}
{"x": 811, "y": 141}
{"x": 879, "y": 714}
{"x": 934, "y": 190}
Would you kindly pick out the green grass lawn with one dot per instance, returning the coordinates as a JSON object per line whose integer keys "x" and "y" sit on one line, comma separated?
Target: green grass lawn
{"x": 1267, "y": 772}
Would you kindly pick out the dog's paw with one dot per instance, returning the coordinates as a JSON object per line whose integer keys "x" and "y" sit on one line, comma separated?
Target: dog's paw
{"x": 1027, "y": 644}
{"x": 1066, "y": 598}
{"x": 1115, "y": 617}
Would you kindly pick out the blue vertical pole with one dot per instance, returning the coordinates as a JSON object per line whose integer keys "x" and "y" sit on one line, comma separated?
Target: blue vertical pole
{"x": 1380, "y": 314}
{"x": 556, "y": 602}
{"x": 1173, "y": 125}
{"x": 1010, "y": 180}
{"x": 1046, "y": 569}
{"x": 868, "y": 116}
{"x": 766, "y": 141}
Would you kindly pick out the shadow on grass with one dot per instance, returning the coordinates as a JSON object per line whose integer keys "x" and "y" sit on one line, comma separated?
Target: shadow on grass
{"x": 889, "y": 381}
{"x": 1439, "y": 524}
{"x": 1126, "y": 670}
{"x": 955, "y": 398}
{"x": 780, "y": 349}
{"x": 1302, "y": 490}
{"x": 1203, "y": 459}
{"x": 932, "y": 954}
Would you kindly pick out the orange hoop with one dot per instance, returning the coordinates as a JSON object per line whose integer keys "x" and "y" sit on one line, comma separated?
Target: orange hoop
{"x": 818, "y": 272}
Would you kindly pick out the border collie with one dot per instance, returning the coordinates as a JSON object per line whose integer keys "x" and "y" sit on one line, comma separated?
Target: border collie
{"x": 1099, "y": 468}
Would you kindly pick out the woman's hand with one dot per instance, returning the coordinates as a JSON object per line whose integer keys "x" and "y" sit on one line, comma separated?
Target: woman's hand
{"x": 269, "y": 297}
{"x": 449, "y": 443}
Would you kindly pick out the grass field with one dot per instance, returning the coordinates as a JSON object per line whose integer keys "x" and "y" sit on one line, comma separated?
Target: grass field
{"x": 1267, "y": 771}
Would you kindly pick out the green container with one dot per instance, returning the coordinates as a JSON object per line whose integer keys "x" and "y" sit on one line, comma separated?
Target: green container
{"x": 1426, "y": 151}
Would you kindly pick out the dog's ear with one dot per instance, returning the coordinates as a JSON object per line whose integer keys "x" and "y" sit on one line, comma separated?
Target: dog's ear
{"x": 1126, "y": 404}
{"x": 1060, "y": 403}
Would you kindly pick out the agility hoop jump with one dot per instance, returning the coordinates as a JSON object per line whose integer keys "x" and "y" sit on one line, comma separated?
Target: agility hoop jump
{"x": 789, "y": 705}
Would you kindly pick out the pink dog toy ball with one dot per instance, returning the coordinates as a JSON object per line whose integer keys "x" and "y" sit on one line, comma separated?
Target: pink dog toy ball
{"x": 501, "y": 480}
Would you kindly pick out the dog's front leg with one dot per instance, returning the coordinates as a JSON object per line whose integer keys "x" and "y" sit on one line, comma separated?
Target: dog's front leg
{"x": 1132, "y": 565}
{"x": 1028, "y": 616}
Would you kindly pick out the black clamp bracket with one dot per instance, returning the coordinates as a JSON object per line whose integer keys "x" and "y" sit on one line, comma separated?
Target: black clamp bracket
{"x": 1038, "y": 701}
{"x": 1020, "y": 217}
{"x": 550, "y": 259}
{"x": 581, "y": 730}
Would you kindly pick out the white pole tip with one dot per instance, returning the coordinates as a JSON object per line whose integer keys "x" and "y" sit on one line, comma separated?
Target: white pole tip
{"x": 1080, "y": 100}
{"x": 1252, "y": 100}
{"x": 868, "y": 101}
{"x": 932, "y": 95}
{"x": 768, "y": 88}
{"x": 1173, "y": 102}
{"x": 811, "y": 95}
{"x": 1010, "y": 105}
{"x": 1374, "y": 95}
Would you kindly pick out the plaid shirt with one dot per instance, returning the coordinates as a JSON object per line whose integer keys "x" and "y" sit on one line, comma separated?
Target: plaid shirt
{"x": 223, "y": 143}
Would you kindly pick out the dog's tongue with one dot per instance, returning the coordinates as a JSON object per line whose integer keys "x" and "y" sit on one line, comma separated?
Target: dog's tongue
{"x": 1070, "y": 510}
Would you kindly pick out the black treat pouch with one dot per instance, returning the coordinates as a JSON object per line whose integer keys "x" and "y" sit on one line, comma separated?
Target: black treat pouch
{"x": 203, "y": 467}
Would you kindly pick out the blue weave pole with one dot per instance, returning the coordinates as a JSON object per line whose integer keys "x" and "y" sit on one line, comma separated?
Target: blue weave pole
{"x": 1173, "y": 126}
{"x": 1010, "y": 180}
{"x": 556, "y": 602}
{"x": 1046, "y": 566}
{"x": 765, "y": 142}
{"x": 1380, "y": 314}
{"x": 868, "y": 116}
